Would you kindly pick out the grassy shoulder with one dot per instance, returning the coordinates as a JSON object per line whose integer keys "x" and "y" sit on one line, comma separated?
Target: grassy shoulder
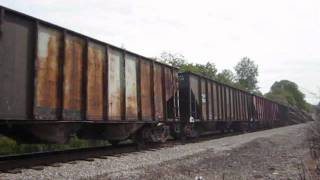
{"x": 10, "y": 146}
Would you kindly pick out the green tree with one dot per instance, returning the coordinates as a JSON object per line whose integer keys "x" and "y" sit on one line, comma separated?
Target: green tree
{"x": 287, "y": 92}
{"x": 246, "y": 74}
{"x": 173, "y": 59}
{"x": 226, "y": 76}
{"x": 179, "y": 61}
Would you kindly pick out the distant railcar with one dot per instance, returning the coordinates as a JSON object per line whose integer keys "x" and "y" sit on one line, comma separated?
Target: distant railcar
{"x": 55, "y": 82}
{"x": 208, "y": 105}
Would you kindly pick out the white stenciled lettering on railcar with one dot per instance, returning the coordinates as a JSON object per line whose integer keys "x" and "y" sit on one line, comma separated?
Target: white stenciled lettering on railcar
{"x": 203, "y": 97}
{"x": 191, "y": 119}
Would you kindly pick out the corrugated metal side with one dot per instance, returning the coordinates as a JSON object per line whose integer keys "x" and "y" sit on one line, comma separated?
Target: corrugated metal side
{"x": 185, "y": 104}
{"x": 51, "y": 73}
{"x": 146, "y": 90}
{"x": 237, "y": 93}
{"x": 210, "y": 97}
{"x": 215, "y": 100}
{"x": 131, "y": 87}
{"x": 218, "y": 91}
{"x": 114, "y": 89}
{"x": 261, "y": 109}
{"x": 247, "y": 106}
{"x": 72, "y": 77}
{"x": 223, "y": 103}
{"x": 49, "y": 51}
{"x": 170, "y": 90}
{"x": 236, "y": 105}
{"x": 16, "y": 53}
{"x": 195, "y": 102}
{"x": 227, "y": 103}
{"x": 95, "y": 85}
{"x": 256, "y": 112}
{"x": 233, "y": 105}
{"x": 203, "y": 100}
{"x": 242, "y": 109}
{"x": 176, "y": 94}
{"x": 158, "y": 96}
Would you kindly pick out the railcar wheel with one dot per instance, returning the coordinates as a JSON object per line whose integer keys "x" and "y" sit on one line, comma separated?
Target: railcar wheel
{"x": 139, "y": 139}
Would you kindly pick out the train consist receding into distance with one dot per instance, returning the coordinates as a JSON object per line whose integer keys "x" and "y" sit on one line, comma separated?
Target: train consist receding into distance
{"x": 56, "y": 83}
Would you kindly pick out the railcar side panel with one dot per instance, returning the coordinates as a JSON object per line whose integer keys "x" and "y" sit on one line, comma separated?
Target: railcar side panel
{"x": 220, "y": 100}
{"x": 95, "y": 86}
{"x": 146, "y": 90}
{"x": 48, "y": 73}
{"x": 16, "y": 60}
{"x": 203, "y": 100}
{"x": 232, "y": 104}
{"x": 215, "y": 101}
{"x": 209, "y": 99}
{"x": 73, "y": 77}
{"x": 158, "y": 96}
{"x": 227, "y": 105}
{"x": 170, "y": 84}
{"x": 114, "y": 91}
{"x": 195, "y": 102}
{"x": 131, "y": 87}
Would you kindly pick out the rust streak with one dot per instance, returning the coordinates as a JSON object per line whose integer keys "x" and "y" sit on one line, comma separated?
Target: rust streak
{"x": 146, "y": 107}
{"x": 72, "y": 89}
{"x": 96, "y": 61}
{"x": 47, "y": 73}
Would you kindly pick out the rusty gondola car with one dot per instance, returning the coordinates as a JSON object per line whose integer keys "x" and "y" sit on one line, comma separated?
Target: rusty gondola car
{"x": 56, "y": 82}
{"x": 207, "y": 105}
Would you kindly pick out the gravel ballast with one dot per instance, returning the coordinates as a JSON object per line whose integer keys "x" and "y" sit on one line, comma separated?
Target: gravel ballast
{"x": 185, "y": 161}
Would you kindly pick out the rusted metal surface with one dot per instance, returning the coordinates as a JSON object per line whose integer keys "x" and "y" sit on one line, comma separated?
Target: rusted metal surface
{"x": 145, "y": 74}
{"x": 52, "y": 73}
{"x": 123, "y": 101}
{"x": 95, "y": 85}
{"x": 16, "y": 53}
{"x": 72, "y": 77}
{"x": 131, "y": 87}
{"x": 139, "y": 88}
{"x": 47, "y": 73}
{"x": 114, "y": 103}
{"x": 158, "y": 99}
{"x": 164, "y": 93}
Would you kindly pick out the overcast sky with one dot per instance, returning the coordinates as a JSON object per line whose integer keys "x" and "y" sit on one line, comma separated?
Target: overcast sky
{"x": 281, "y": 36}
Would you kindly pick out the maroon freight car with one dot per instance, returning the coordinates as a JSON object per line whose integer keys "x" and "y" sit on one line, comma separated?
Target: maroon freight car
{"x": 55, "y": 82}
{"x": 208, "y": 105}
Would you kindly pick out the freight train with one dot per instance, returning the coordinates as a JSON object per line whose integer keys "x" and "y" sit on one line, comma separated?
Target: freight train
{"x": 56, "y": 83}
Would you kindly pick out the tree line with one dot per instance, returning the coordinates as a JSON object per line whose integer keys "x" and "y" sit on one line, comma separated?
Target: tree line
{"x": 244, "y": 77}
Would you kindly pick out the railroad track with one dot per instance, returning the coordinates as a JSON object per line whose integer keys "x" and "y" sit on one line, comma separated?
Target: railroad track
{"x": 14, "y": 163}
{"x": 38, "y": 160}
